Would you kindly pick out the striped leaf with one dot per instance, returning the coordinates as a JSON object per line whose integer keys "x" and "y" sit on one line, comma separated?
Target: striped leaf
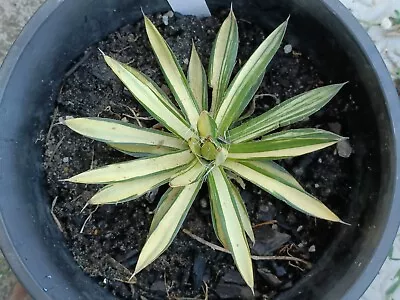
{"x": 284, "y": 144}
{"x": 228, "y": 224}
{"x": 168, "y": 220}
{"x": 173, "y": 74}
{"x": 206, "y": 125}
{"x": 151, "y": 97}
{"x": 118, "y": 132}
{"x": 248, "y": 80}
{"x": 134, "y": 169}
{"x": 198, "y": 80}
{"x": 242, "y": 212}
{"x": 129, "y": 190}
{"x": 280, "y": 187}
{"x": 288, "y": 112}
{"x": 142, "y": 150}
{"x": 222, "y": 60}
{"x": 194, "y": 172}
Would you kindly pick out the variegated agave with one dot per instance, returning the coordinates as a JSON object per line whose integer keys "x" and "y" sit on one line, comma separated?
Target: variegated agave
{"x": 203, "y": 145}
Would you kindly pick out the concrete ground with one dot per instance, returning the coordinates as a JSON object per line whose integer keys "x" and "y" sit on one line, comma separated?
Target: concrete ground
{"x": 379, "y": 19}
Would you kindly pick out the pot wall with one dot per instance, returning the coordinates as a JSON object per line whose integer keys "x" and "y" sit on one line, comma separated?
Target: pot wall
{"x": 29, "y": 82}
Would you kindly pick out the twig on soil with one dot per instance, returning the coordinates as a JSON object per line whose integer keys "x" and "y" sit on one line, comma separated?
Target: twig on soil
{"x": 135, "y": 116}
{"x": 254, "y": 257}
{"x": 265, "y": 223}
{"x": 58, "y": 223}
{"x": 88, "y": 219}
{"x": 268, "y": 95}
{"x": 56, "y": 148}
{"x": 91, "y": 164}
{"x": 84, "y": 58}
{"x": 53, "y": 120}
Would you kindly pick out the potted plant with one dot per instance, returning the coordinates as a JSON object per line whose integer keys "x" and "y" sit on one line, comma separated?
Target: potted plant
{"x": 363, "y": 199}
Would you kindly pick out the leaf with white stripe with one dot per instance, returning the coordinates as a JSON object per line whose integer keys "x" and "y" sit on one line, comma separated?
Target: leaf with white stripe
{"x": 142, "y": 150}
{"x": 118, "y": 132}
{"x": 197, "y": 79}
{"x": 288, "y": 112}
{"x": 228, "y": 222}
{"x": 130, "y": 190}
{"x": 242, "y": 212}
{"x": 134, "y": 169}
{"x": 280, "y": 188}
{"x": 173, "y": 73}
{"x": 222, "y": 60}
{"x": 151, "y": 97}
{"x": 284, "y": 144}
{"x": 194, "y": 172}
{"x": 248, "y": 80}
{"x": 170, "y": 215}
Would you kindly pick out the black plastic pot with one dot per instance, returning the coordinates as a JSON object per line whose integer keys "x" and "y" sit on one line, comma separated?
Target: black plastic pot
{"x": 61, "y": 30}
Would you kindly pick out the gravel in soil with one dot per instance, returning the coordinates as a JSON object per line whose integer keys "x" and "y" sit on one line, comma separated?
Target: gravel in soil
{"x": 106, "y": 240}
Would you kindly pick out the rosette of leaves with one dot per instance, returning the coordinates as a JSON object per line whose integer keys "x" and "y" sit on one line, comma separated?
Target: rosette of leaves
{"x": 203, "y": 144}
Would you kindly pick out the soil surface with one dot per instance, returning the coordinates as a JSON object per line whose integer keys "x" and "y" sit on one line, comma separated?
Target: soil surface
{"x": 106, "y": 240}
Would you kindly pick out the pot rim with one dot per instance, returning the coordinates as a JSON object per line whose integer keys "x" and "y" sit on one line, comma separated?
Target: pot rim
{"x": 392, "y": 102}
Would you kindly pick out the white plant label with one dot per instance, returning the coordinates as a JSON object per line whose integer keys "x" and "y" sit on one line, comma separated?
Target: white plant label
{"x": 197, "y": 8}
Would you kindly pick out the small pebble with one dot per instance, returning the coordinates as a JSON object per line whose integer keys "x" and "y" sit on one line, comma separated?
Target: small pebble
{"x": 165, "y": 20}
{"x": 65, "y": 159}
{"x": 169, "y": 14}
{"x": 300, "y": 228}
{"x": 386, "y": 23}
{"x": 311, "y": 249}
{"x": 124, "y": 119}
{"x": 203, "y": 203}
{"x": 316, "y": 185}
{"x": 320, "y": 160}
{"x": 287, "y": 49}
{"x": 186, "y": 61}
{"x": 274, "y": 227}
{"x": 344, "y": 148}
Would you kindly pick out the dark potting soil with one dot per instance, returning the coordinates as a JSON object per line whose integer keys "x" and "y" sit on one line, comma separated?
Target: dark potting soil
{"x": 106, "y": 240}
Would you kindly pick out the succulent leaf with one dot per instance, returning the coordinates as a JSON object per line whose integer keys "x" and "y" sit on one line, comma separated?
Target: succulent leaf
{"x": 197, "y": 79}
{"x": 129, "y": 190}
{"x": 242, "y": 212}
{"x": 228, "y": 224}
{"x": 169, "y": 218}
{"x": 284, "y": 144}
{"x": 222, "y": 60}
{"x": 134, "y": 169}
{"x": 194, "y": 172}
{"x": 149, "y": 95}
{"x": 173, "y": 74}
{"x": 288, "y": 112}
{"x": 118, "y": 132}
{"x": 280, "y": 188}
{"x": 248, "y": 80}
{"x": 206, "y": 126}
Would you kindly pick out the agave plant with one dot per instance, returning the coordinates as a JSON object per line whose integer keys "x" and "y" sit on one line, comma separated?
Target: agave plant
{"x": 202, "y": 145}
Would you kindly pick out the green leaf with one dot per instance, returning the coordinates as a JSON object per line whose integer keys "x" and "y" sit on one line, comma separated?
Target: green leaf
{"x": 198, "y": 80}
{"x": 206, "y": 125}
{"x": 152, "y": 98}
{"x": 242, "y": 212}
{"x": 173, "y": 74}
{"x": 134, "y": 169}
{"x": 281, "y": 188}
{"x": 142, "y": 150}
{"x": 167, "y": 221}
{"x": 222, "y": 60}
{"x": 284, "y": 144}
{"x": 118, "y": 132}
{"x": 288, "y": 112}
{"x": 194, "y": 172}
{"x": 248, "y": 80}
{"x": 228, "y": 224}
{"x": 129, "y": 190}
